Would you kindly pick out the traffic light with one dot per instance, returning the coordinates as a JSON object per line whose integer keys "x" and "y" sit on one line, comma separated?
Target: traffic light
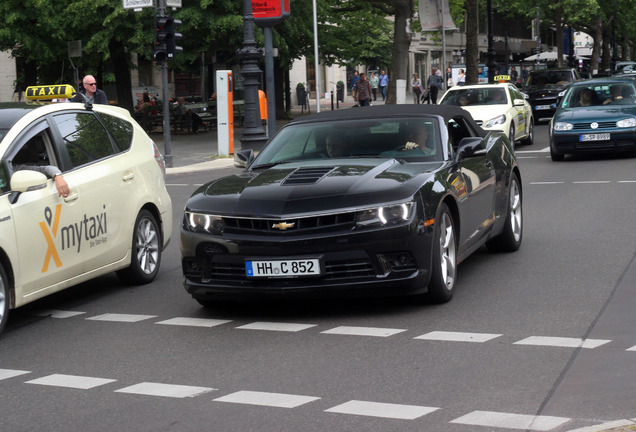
{"x": 171, "y": 26}
{"x": 162, "y": 36}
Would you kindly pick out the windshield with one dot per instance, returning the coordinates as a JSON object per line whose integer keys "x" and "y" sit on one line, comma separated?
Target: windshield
{"x": 409, "y": 139}
{"x": 476, "y": 96}
{"x": 600, "y": 94}
{"x": 548, "y": 77}
{"x": 3, "y": 132}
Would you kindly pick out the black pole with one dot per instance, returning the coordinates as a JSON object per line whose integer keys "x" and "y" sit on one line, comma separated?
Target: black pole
{"x": 254, "y": 136}
{"x": 492, "y": 64}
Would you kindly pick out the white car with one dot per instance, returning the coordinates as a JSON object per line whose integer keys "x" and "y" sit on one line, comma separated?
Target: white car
{"x": 498, "y": 107}
{"x": 116, "y": 215}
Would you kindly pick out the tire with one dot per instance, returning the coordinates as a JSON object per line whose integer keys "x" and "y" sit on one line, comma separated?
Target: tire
{"x": 511, "y": 134}
{"x": 146, "y": 251}
{"x": 443, "y": 275}
{"x": 556, "y": 157}
{"x": 510, "y": 238}
{"x": 4, "y": 298}
{"x": 529, "y": 140}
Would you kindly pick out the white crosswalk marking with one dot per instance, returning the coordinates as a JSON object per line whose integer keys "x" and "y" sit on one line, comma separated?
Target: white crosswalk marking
{"x": 194, "y": 322}
{"x": 384, "y": 410}
{"x": 511, "y": 421}
{"x": 458, "y": 336}
{"x": 363, "y": 331}
{"x": 279, "y": 400}
{"x": 273, "y": 326}
{"x": 10, "y": 373}
{"x": 53, "y": 313}
{"x": 130, "y": 318}
{"x": 165, "y": 390}
{"x": 632, "y": 348}
{"x": 71, "y": 381}
{"x": 562, "y": 342}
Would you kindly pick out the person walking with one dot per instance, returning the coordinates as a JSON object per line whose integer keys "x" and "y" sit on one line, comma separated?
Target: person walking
{"x": 375, "y": 83}
{"x": 363, "y": 87}
{"x": 416, "y": 87}
{"x": 449, "y": 78}
{"x": 461, "y": 79}
{"x": 384, "y": 82}
{"x": 354, "y": 82}
{"x": 434, "y": 83}
{"x": 91, "y": 91}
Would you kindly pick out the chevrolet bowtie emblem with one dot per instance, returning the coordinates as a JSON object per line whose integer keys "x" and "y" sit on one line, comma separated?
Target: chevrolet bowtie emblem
{"x": 283, "y": 226}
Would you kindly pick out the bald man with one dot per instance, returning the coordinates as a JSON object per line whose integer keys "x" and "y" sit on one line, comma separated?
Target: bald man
{"x": 94, "y": 94}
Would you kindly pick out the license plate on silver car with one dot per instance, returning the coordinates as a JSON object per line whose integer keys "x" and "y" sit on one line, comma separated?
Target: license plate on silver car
{"x": 282, "y": 268}
{"x": 542, "y": 107}
{"x": 594, "y": 137}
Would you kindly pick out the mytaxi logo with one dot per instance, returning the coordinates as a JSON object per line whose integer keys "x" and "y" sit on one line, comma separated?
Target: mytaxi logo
{"x": 90, "y": 229}
{"x": 51, "y": 252}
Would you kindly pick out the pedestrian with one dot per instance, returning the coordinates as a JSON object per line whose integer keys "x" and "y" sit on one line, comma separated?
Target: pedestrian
{"x": 461, "y": 79}
{"x": 514, "y": 75}
{"x": 384, "y": 82}
{"x": 354, "y": 90}
{"x": 90, "y": 90}
{"x": 449, "y": 78}
{"x": 363, "y": 87}
{"x": 434, "y": 83}
{"x": 416, "y": 87}
{"x": 375, "y": 83}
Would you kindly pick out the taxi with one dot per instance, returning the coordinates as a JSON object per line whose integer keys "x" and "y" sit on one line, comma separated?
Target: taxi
{"x": 496, "y": 107}
{"x": 113, "y": 212}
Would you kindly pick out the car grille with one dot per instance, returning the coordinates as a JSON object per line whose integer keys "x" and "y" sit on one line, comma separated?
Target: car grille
{"x": 601, "y": 125}
{"x": 280, "y": 226}
{"x": 348, "y": 269}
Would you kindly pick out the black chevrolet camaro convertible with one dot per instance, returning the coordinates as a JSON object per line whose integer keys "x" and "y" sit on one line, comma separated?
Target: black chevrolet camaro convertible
{"x": 382, "y": 200}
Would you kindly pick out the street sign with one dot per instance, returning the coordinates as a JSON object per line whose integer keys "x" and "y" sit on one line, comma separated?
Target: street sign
{"x": 173, "y": 3}
{"x": 270, "y": 12}
{"x": 136, "y": 4}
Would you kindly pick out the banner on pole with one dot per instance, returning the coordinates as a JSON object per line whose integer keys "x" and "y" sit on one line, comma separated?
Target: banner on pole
{"x": 431, "y": 18}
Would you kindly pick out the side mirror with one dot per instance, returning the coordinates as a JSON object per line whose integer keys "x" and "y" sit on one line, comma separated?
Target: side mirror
{"x": 517, "y": 102}
{"x": 243, "y": 158}
{"x": 470, "y": 146}
{"x": 27, "y": 180}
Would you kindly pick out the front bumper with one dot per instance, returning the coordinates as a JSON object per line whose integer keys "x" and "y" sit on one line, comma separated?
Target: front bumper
{"x": 391, "y": 261}
{"x": 570, "y": 143}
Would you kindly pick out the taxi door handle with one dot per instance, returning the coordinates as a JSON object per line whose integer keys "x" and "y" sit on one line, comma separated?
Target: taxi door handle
{"x": 71, "y": 197}
{"x": 128, "y": 176}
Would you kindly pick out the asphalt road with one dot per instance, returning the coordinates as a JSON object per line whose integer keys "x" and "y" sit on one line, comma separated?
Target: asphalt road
{"x": 540, "y": 339}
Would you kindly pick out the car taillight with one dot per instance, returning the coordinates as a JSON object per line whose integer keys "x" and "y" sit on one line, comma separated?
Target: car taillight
{"x": 159, "y": 158}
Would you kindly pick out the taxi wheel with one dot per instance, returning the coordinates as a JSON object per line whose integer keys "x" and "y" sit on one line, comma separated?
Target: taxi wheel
{"x": 146, "y": 251}
{"x": 529, "y": 140}
{"x": 4, "y": 298}
{"x": 442, "y": 284}
{"x": 511, "y": 135}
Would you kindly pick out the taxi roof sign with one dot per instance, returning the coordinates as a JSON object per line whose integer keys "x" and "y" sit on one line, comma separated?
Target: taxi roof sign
{"x": 502, "y": 78}
{"x": 59, "y": 91}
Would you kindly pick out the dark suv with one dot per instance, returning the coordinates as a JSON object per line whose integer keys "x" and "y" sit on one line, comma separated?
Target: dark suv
{"x": 543, "y": 88}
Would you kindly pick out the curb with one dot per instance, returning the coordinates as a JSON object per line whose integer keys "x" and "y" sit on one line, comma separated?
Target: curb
{"x": 613, "y": 426}
{"x": 203, "y": 166}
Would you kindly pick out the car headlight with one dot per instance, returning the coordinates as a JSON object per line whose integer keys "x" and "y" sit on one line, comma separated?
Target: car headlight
{"x": 386, "y": 215}
{"x": 499, "y": 120}
{"x": 203, "y": 223}
{"x": 625, "y": 123}
{"x": 563, "y": 126}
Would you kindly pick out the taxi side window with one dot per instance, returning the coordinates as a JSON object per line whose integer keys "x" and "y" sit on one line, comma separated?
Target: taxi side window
{"x": 120, "y": 130}
{"x": 84, "y": 137}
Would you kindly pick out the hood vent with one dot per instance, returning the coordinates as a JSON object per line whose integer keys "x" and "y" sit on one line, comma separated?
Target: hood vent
{"x": 307, "y": 175}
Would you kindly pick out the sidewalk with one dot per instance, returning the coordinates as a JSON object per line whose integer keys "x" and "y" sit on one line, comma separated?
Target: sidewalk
{"x": 199, "y": 152}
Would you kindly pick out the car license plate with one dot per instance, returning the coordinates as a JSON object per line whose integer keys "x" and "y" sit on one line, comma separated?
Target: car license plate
{"x": 283, "y": 268}
{"x": 542, "y": 107}
{"x": 594, "y": 137}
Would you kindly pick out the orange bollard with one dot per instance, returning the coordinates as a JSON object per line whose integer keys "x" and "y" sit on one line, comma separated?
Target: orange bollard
{"x": 262, "y": 101}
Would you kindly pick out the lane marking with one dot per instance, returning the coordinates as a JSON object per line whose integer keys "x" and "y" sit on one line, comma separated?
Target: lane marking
{"x": 631, "y": 349}
{"x": 363, "y": 331}
{"x": 546, "y": 182}
{"x": 626, "y": 181}
{"x": 71, "y": 381}
{"x": 10, "y": 373}
{"x": 562, "y": 342}
{"x": 591, "y": 182}
{"x": 194, "y": 322}
{"x": 511, "y": 421}
{"x": 165, "y": 390}
{"x": 544, "y": 150}
{"x": 53, "y": 313}
{"x": 274, "y": 326}
{"x": 458, "y": 336}
{"x": 130, "y": 318}
{"x": 279, "y": 400}
{"x": 384, "y": 410}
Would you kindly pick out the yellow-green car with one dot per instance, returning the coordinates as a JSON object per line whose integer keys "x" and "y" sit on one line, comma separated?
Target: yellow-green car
{"x": 82, "y": 194}
{"x": 495, "y": 107}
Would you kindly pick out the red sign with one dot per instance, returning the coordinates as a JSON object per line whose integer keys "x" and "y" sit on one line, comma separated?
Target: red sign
{"x": 270, "y": 12}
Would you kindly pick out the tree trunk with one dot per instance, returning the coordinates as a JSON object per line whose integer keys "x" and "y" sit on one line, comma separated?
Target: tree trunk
{"x": 472, "y": 47}
{"x": 401, "y": 43}
{"x": 596, "y": 49}
{"x": 121, "y": 66}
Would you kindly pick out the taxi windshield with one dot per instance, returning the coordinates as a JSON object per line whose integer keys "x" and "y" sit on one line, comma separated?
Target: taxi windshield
{"x": 409, "y": 139}
{"x": 476, "y": 96}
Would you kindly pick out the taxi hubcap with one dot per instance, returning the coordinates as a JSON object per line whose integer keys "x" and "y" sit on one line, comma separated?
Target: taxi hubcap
{"x": 147, "y": 246}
